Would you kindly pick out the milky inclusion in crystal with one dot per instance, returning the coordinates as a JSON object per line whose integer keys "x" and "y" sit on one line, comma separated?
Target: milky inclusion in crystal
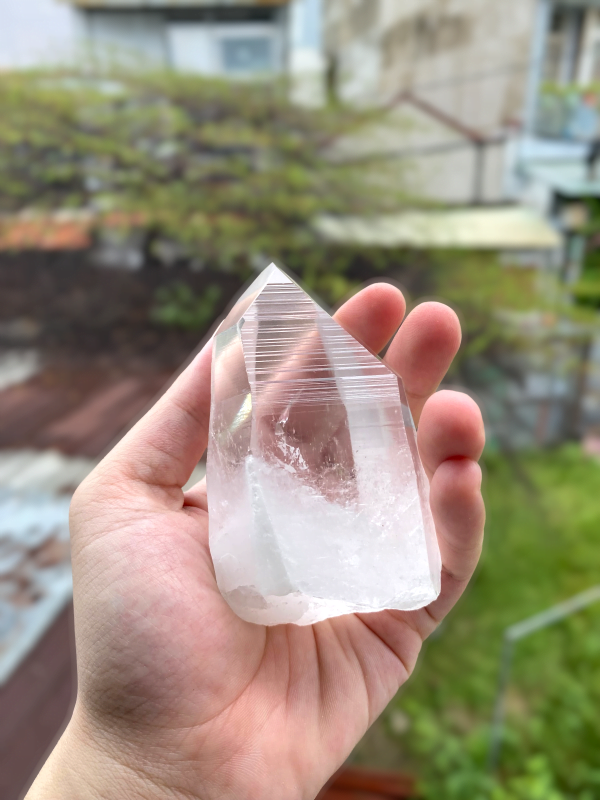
{"x": 317, "y": 498}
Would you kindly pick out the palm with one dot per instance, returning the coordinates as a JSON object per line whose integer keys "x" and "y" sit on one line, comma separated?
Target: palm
{"x": 162, "y": 656}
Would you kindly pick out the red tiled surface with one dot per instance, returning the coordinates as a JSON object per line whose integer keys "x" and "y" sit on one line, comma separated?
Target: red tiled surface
{"x": 349, "y": 794}
{"x": 44, "y": 233}
{"x": 34, "y": 706}
{"x": 78, "y": 412}
{"x": 91, "y": 427}
{"x": 355, "y": 783}
{"x": 59, "y": 231}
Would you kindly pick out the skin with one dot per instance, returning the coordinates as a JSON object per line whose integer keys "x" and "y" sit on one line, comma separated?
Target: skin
{"x": 178, "y": 697}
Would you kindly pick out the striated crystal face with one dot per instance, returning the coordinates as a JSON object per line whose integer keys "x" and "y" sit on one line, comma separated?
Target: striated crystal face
{"x": 318, "y": 502}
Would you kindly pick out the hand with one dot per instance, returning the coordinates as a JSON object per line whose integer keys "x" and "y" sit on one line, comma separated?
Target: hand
{"x": 178, "y": 697}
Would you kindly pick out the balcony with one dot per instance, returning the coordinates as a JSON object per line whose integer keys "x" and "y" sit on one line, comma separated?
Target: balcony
{"x": 569, "y": 114}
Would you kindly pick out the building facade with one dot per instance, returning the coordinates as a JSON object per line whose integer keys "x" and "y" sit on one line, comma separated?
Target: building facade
{"x": 466, "y": 57}
{"x": 514, "y": 77}
{"x": 219, "y": 38}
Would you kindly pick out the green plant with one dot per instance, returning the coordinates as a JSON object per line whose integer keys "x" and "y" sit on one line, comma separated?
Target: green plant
{"x": 586, "y": 290}
{"x": 231, "y": 171}
{"x": 178, "y": 306}
{"x": 542, "y": 546}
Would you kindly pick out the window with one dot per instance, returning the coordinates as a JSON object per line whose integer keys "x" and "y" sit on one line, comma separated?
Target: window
{"x": 563, "y": 45}
{"x": 224, "y": 49}
{"x": 247, "y": 54}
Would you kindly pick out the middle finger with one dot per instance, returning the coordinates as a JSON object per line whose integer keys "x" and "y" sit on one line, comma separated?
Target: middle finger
{"x": 422, "y": 351}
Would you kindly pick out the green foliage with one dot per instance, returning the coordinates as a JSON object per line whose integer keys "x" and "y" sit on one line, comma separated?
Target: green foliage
{"x": 177, "y": 306}
{"x": 478, "y": 287}
{"x": 536, "y": 783}
{"x": 587, "y": 290}
{"x": 542, "y": 546}
{"x": 231, "y": 170}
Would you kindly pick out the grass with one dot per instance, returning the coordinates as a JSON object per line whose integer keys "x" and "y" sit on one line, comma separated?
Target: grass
{"x": 542, "y": 546}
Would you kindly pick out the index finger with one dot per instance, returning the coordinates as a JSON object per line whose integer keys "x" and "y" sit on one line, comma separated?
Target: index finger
{"x": 422, "y": 351}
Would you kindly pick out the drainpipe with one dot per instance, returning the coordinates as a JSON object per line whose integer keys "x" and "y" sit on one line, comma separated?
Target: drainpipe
{"x": 536, "y": 65}
{"x": 479, "y": 171}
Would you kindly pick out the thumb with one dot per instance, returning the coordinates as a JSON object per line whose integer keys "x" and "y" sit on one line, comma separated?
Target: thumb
{"x": 163, "y": 448}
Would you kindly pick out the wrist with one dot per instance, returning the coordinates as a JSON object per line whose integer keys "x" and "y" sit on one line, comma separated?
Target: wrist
{"x": 84, "y": 765}
{"x": 87, "y": 763}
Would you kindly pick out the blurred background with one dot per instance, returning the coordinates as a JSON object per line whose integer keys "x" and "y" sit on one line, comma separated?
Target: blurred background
{"x": 155, "y": 156}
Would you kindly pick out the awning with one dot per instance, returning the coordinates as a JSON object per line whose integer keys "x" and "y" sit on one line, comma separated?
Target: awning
{"x": 569, "y": 178}
{"x": 513, "y": 228}
{"x": 162, "y": 4}
{"x": 578, "y": 3}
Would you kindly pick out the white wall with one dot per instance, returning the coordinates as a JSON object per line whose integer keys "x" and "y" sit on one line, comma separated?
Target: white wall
{"x": 34, "y": 32}
{"x": 136, "y": 36}
{"x": 306, "y": 63}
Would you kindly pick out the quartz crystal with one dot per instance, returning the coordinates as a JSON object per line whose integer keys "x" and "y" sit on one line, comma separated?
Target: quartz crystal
{"x": 318, "y": 502}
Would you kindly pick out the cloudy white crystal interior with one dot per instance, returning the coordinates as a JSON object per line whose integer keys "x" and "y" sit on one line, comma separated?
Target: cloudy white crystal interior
{"x": 318, "y": 503}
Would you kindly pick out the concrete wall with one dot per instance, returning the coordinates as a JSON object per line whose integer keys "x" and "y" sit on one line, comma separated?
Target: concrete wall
{"x": 34, "y": 32}
{"x": 468, "y": 57}
{"x": 425, "y": 157}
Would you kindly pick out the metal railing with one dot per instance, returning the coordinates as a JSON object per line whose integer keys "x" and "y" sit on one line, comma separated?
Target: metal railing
{"x": 514, "y": 634}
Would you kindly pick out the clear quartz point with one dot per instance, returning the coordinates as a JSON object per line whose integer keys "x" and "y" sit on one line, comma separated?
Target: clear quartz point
{"x": 317, "y": 498}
